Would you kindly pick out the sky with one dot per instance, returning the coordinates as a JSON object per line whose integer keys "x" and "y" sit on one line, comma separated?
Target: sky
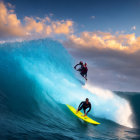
{"x": 103, "y": 33}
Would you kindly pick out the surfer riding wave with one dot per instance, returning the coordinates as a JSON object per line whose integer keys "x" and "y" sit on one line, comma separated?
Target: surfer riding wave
{"x": 84, "y": 105}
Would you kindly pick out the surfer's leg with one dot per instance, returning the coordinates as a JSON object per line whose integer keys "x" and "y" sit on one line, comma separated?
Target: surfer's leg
{"x": 84, "y": 110}
{"x": 82, "y": 74}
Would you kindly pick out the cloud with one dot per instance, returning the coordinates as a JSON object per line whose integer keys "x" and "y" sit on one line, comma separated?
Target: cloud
{"x": 10, "y": 5}
{"x": 51, "y": 14}
{"x": 11, "y": 26}
{"x": 133, "y": 28}
{"x": 113, "y": 60}
{"x": 127, "y": 43}
{"x": 92, "y": 17}
{"x": 62, "y": 27}
{"x": 48, "y": 30}
{"x": 33, "y": 26}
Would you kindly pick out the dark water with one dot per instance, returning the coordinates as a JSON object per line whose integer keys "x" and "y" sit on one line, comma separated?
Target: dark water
{"x": 37, "y": 80}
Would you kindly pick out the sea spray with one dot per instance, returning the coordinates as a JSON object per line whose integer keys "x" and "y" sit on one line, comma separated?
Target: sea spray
{"x": 112, "y": 104}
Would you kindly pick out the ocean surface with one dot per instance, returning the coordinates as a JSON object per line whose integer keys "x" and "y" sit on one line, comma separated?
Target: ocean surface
{"x": 37, "y": 79}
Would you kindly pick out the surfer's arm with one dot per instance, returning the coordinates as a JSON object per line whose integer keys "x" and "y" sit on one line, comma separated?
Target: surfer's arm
{"x": 89, "y": 109}
{"x": 80, "y": 105}
{"x": 76, "y": 65}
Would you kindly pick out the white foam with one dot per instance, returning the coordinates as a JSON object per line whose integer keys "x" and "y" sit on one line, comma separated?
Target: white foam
{"x": 111, "y": 106}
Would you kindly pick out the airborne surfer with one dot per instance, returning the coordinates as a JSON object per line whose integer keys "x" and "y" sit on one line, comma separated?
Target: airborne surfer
{"x": 83, "y": 69}
{"x": 84, "y": 105}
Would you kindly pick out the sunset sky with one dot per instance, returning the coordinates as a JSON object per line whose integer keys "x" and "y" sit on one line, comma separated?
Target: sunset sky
{"x": 104, "y": 33}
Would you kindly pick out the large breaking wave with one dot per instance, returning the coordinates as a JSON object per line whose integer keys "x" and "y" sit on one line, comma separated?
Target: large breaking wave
{"x": 37, "y": 76}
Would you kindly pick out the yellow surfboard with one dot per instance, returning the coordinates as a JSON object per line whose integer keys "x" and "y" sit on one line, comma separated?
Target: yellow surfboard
{"x": 81, "y": 115}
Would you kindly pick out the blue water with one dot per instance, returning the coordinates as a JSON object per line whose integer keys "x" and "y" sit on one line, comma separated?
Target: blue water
{"x": 37, "y": 80}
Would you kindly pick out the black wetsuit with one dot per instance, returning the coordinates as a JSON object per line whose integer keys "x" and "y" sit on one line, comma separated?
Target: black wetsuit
{"x": 83, "y": 105}
{"x": 84, "y": 72}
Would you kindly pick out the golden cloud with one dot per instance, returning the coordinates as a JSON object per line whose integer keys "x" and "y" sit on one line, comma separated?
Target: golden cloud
{"x": 32, "y": 25}
{"x": 128, "y": 43}
{"x": 10, "y": 25}
{"x": 62, "y": 27}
